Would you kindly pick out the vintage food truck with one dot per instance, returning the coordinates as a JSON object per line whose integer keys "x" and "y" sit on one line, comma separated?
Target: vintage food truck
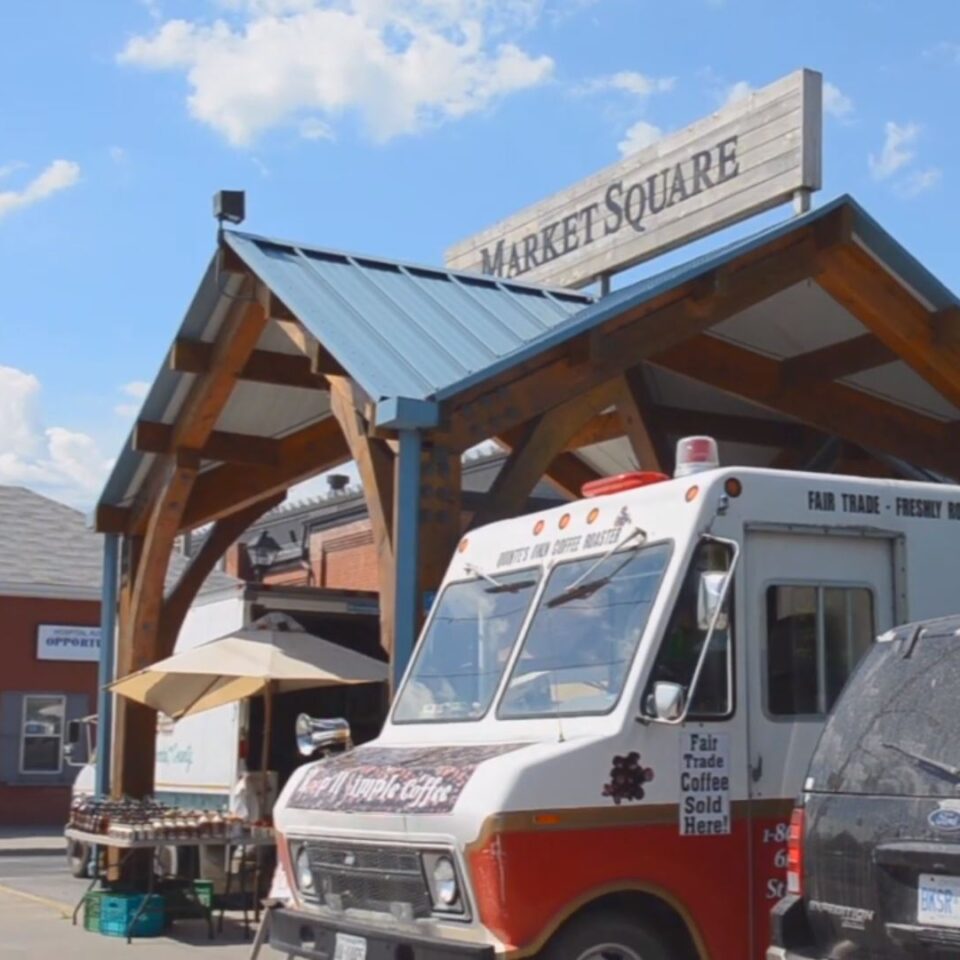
{"x": 597, "y": 743}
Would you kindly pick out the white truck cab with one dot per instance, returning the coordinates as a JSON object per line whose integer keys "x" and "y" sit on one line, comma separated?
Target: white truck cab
{"x": 611, "y": 708}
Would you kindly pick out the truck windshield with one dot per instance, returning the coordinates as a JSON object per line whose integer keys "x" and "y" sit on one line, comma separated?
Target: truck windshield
{"x": 581, "y": 642}
{"x": 461, "y": 658}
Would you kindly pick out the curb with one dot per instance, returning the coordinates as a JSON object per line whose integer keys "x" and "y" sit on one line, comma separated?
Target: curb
{"x": 28, "y": 851}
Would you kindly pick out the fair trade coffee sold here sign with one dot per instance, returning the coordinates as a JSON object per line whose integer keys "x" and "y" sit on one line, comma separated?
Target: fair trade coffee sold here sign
{"x": 750, "y": 156}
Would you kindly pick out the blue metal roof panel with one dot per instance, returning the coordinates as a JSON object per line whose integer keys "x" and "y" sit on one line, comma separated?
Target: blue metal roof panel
{"x": 404, "y": 331}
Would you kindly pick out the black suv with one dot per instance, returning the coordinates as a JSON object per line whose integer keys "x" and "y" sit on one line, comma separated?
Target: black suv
{"x": 874, "y": 852}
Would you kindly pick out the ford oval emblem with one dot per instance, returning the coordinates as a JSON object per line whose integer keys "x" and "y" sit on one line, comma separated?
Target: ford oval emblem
{"x": 945, "y": 819}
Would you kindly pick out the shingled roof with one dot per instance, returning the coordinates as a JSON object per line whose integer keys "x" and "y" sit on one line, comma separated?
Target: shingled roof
{"x": 46, "y": 549}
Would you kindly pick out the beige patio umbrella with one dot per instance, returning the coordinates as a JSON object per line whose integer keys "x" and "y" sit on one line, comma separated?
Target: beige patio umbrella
{"x": 273, "y": 655}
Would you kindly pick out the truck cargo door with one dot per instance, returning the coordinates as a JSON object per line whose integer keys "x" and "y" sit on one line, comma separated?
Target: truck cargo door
{"x": 814, "y": 604}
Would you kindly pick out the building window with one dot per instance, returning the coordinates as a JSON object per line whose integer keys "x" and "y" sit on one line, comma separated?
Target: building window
{"x": 816, "y": 635}
{"x": 41, "y": 735}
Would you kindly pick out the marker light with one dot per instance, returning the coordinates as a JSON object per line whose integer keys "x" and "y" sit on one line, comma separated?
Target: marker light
{"x": 695, "y": 454}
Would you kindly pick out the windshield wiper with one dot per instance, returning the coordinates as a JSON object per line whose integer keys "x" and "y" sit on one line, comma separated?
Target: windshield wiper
{"x": 925, "y": 763}
{"x": 498, "y": 586}
{"x": 582, "y": 587}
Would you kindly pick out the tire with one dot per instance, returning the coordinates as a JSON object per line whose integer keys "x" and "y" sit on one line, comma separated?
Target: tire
{"x": 607, "y": 935}
{"x": 78, "y": 855}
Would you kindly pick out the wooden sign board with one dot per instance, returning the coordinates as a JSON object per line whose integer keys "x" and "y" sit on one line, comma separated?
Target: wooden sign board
{"x": 748, "y": 157}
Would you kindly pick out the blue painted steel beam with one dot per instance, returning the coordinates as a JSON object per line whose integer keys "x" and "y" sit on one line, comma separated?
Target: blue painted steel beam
{"x": 108, "y": 630}
{"x": 406, "y": 548}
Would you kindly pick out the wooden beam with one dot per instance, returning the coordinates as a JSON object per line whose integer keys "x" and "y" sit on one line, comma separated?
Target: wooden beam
{"x": 945, "y": 325}
{"x": 681, "y": 422}
{"x": 440, "y": 512}
{"x": 376, "y": 464}
{"x": 222, "y": 535}
{"x": 534, "y": 451}
{"x": 151, "y": 437}
{"x": 895, "y": 316}
{"x": 599, "y": 429}
{"x": 303, "y": 454}
{"x": 638, "y": 334}
{"x": 836, "y": 361}
{"x": 832, "y": 407}
{"x": 568, "y": 473}
{"x": 264, "y": 366}
{"x": 650, "y": 448}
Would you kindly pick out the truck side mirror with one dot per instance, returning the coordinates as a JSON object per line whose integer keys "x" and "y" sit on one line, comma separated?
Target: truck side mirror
{"x": 73, "y": 733}
{"x": 667, "y": 701}
{"x": 315, "y": 735}
{"x": 710, "y": 597}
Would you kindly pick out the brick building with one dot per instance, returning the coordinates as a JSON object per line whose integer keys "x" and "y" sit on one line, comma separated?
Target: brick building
{"x": 328, "y": 541}
{"x": 50, "y": 571}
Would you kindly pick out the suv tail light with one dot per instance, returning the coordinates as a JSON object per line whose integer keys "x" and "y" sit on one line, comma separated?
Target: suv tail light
{"x": 795, "y": 853}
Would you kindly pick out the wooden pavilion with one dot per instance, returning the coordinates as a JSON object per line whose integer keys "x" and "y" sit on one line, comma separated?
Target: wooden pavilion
{"x": 819, "y": 343}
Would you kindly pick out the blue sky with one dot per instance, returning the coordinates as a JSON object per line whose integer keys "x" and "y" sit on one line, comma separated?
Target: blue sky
{"x": 392, "y": 127}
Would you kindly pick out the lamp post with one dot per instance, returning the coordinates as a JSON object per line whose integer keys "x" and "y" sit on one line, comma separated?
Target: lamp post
{"x": 262, "y": 552}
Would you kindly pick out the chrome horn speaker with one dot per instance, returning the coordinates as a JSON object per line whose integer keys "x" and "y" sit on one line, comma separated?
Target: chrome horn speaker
{"x": 314, "y": 734}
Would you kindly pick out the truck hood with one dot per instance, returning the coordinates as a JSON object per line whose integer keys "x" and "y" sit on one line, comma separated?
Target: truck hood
{"x": 379, "y": 779}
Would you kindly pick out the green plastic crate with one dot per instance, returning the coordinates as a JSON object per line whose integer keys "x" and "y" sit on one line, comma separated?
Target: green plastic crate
{"x": 91, "y": 910}
{"x": 203, "y": 891}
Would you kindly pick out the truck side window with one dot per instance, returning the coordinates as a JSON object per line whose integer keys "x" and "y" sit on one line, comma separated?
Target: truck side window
{"x": 816, "y": 635}
{"x": 684, "y": 637}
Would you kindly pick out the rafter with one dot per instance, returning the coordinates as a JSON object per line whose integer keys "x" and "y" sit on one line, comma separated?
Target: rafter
{"x": 832, "y": 407}
{"x": 649, "y": 445}
{"x": 151, "y": 437}
{"x": 264, "y": 366}
{"x": 897, "y": 317}
{"x": 303, "y": 454}
{"x": 837, "y": 360}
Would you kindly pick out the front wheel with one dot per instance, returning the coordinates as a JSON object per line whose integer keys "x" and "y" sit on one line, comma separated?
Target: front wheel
{"x": 607, "y": 936}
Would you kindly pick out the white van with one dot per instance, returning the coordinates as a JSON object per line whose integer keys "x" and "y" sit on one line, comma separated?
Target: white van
{"x": 596, "y": 747}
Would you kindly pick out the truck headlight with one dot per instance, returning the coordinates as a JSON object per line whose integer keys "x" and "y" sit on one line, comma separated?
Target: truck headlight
{"x": 444, "y": 883}
{"x": 303, "y": 871}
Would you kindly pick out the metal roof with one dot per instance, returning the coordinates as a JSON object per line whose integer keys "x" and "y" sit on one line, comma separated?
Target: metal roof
{"x": 403, "y": 330}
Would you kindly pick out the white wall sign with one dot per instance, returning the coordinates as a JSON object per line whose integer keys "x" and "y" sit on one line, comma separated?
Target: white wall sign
{"x": 68, "y": 643}
{"x": 751, "y": 155}
{"x": 704, "y": 784}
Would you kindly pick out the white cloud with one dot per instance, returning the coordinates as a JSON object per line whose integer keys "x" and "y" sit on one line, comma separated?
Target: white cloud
{"x": 402, "y": 65}
{"x": 137, "y": 390}
{"x": 898, "y": 150}
{"x": 58, "y": 176}
{"x": 313, "y": 128}
{"x": 919, "y": 181}
{"x": 835, "y": 103}
{"x": 736, "y": 92}
{"x": 118, "y": 155}
{"x": 640, "y": 135}
{"x": 60, "y": 463}
{"x": 629, "y": 81}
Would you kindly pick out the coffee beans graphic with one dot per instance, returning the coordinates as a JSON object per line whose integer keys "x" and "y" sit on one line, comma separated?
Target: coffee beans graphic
{"x": 627, "y": 778}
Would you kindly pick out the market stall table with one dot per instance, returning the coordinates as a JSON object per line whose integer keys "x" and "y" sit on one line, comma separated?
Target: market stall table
{"x": 240, "y": 844}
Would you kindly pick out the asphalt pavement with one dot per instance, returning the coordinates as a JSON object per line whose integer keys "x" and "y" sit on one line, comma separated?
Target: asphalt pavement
{"x": 37, "y": 897}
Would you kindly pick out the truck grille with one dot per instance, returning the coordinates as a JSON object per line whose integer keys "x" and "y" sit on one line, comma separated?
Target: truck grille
{"x": 367, "y": 877}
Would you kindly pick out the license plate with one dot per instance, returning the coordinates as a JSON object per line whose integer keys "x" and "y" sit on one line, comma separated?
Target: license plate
{"x": 938, "y": 900}
{"x": 350, "y": 948}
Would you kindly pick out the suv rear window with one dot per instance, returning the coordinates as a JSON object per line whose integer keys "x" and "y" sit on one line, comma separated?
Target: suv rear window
{"x": 896, "y": 728}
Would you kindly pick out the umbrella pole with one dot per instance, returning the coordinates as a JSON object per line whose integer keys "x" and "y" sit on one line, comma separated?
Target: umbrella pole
{"x": 265, "y": 749}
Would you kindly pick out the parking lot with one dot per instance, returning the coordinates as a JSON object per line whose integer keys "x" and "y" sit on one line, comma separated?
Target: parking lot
{"x": 37, "y": 897}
